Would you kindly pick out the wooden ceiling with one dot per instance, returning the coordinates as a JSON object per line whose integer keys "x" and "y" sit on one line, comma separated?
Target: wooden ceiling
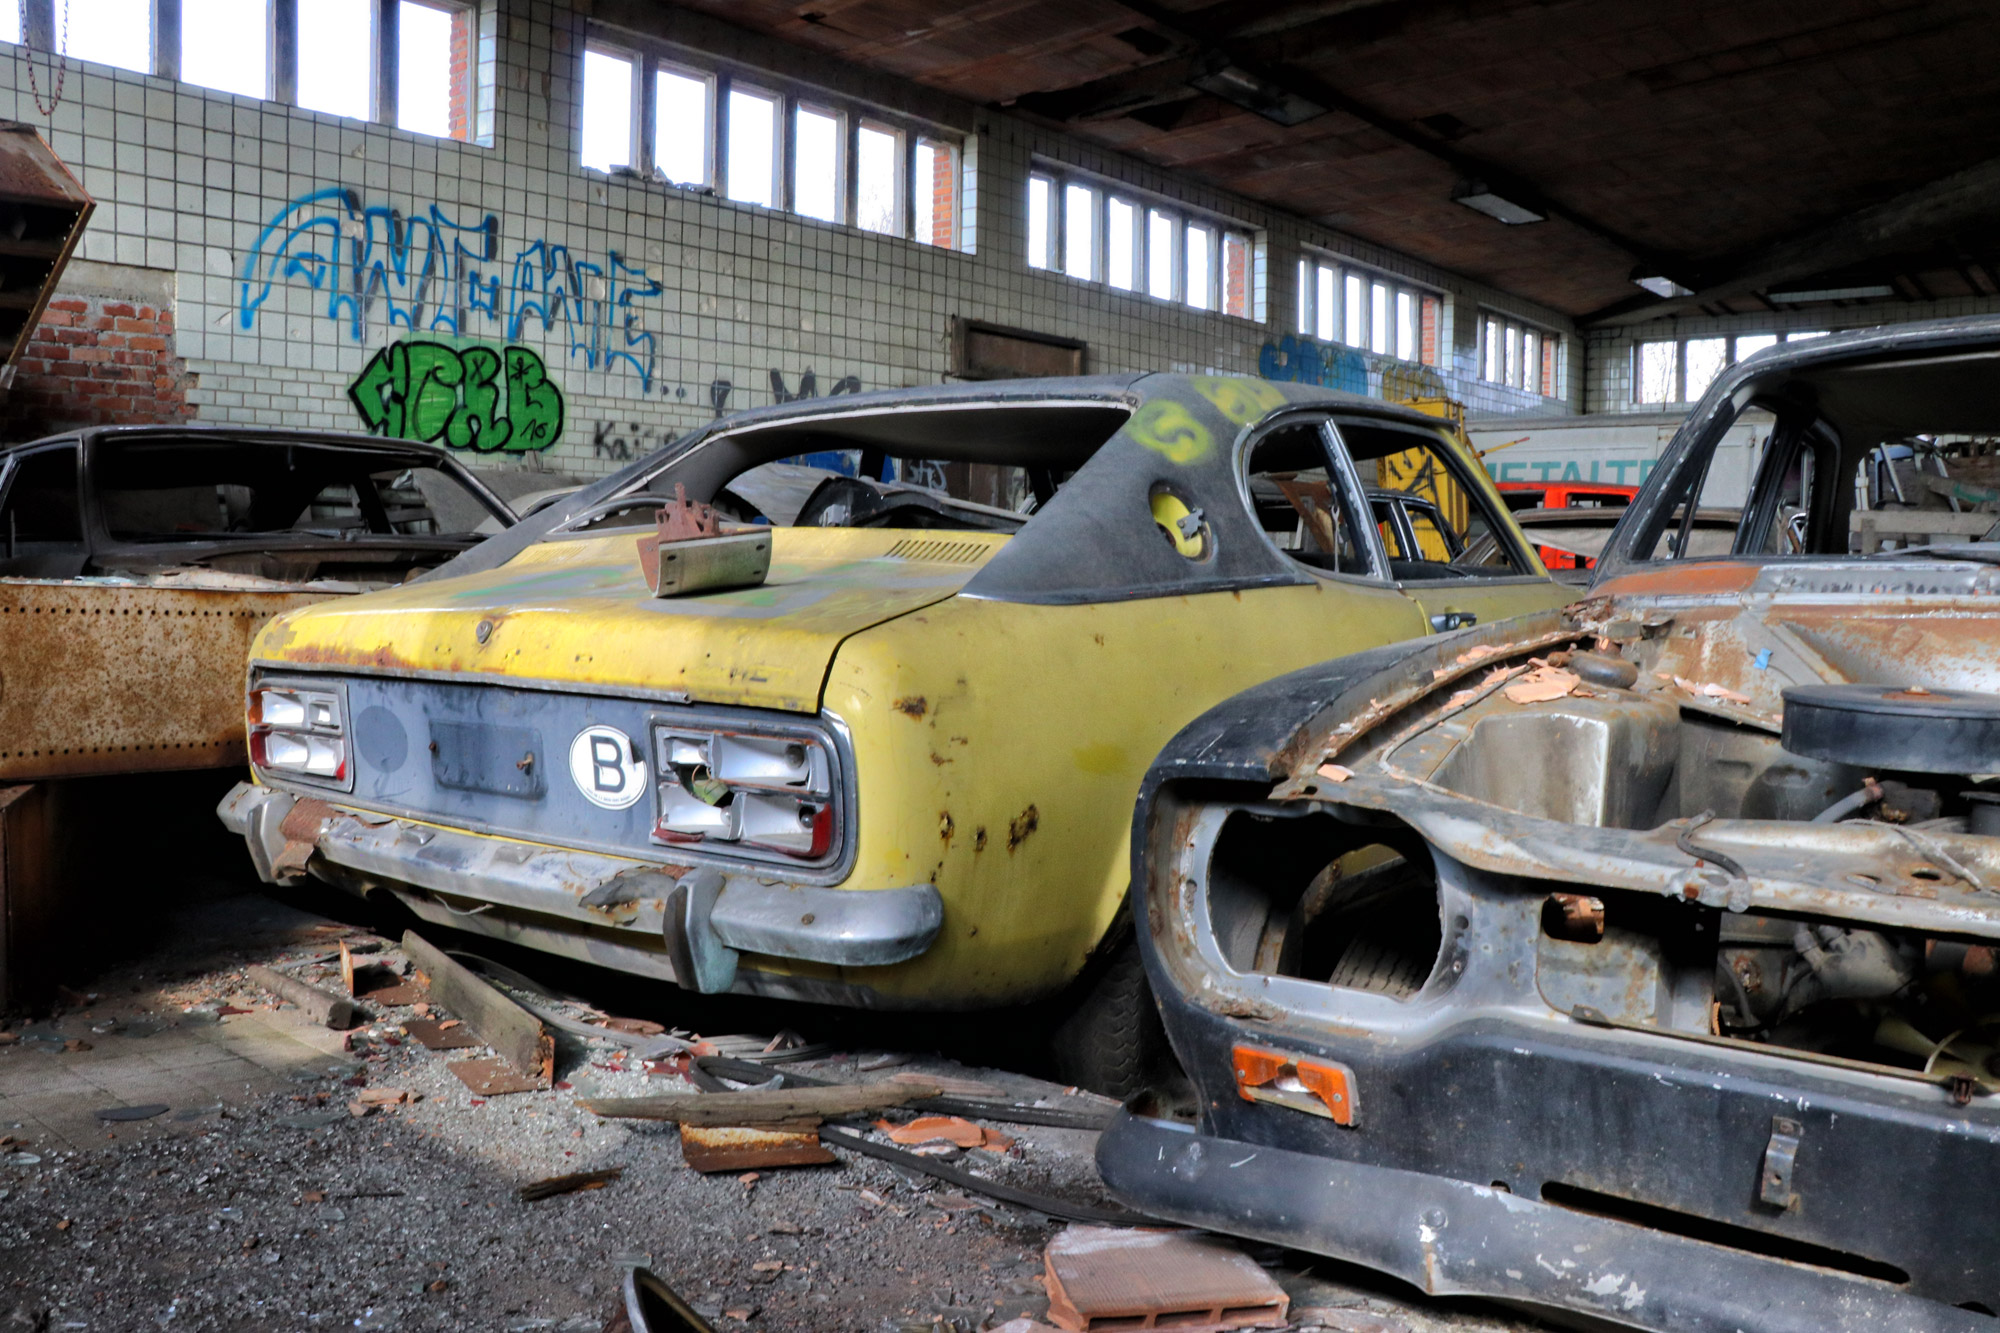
{"x": 1736, "y": 146}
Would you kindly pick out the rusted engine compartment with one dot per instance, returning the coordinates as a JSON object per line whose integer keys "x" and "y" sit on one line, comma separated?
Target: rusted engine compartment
{"x": 1689, "y": 889}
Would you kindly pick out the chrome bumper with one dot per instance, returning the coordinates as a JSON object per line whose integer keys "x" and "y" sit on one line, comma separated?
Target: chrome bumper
{"x": 705, "y": 917}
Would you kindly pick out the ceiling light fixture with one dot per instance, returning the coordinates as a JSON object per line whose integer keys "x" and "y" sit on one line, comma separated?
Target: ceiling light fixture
{"x": 1476, "y": 196}
{"x": 1664, "y": 288}
{"x": 1871, "y": 292}
{"x": 1216, "y": 74}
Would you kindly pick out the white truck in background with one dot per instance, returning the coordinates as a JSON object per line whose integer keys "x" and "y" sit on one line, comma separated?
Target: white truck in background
{"x": 1614, "y": 448}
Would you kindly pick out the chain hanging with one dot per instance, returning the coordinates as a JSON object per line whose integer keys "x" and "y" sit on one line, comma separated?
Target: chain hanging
{"x": 58, "y": 62}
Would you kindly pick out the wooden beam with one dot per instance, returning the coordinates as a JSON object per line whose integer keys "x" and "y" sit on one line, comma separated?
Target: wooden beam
{"x": 334, "y": 1011}
{"x": 760, "y": 1107}
{"x": 515, "y": 1035}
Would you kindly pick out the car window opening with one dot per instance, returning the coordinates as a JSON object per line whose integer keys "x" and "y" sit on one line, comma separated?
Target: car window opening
{"x": 1299, "y": 504}
{"x": 983, "y": 470}
{"x": 1858, "y": 461}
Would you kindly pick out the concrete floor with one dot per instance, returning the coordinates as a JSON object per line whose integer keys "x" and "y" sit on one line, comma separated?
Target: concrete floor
{"x": 257, "y": 1202}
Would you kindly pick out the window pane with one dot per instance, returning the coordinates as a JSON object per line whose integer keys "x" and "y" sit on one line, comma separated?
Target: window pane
{"x": 1750, "y": 343}
{"x": 1355, "y": 292}
{"x": 1121, "y": 244}
{"x": 937, "y": 193}
{"x": 1160, "y": 229}
{"x": 1705, "y": 359}
{"x": 1496, "y": 342}
{"x": 10, "y": 23}
{"x": 1200, "y": 267}
{"x": 680, "y": 128}
{"x": 1531, "y": 361}
{"x": 1512, "y": 374}
{"x": 816, "y": 164}
{"x": 1378, "y": 318}
{"x": 607, "y": 109}
{"x": 336, "y": 46}
{"x": 433, "y": 62}
{"x": 1041, "y": 200}
{"x": 753, "y": 147}
{"x": 1236, "y": 275}
{"x": 1658, "y": 364}
{"x": 111, "y": 32}
{"x": 1079, "y": 231}
{"x": 878, "y": 158}
{"x": 1406, "y": 325}
{"x": 225, "y": 44}
{"x": 1327, "y": 292}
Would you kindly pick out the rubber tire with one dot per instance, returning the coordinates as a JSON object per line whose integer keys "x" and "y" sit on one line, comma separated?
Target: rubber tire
{"x": 1114, "y": 1042}
{"x": 1382, "y": 966}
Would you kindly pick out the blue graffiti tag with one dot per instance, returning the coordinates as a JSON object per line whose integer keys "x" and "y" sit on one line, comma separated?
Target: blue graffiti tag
{"x": 1308, "y": 361}
{"x": 431, "y": 274}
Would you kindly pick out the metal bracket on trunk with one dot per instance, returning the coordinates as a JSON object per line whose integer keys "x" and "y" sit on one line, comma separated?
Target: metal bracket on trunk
{"x": 701, "y": 961}
{"x": 1774, "y": 1185}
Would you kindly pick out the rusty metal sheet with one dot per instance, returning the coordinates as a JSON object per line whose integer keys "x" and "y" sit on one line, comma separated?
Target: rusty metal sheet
{"x": 99, "y": 678}
{"x": 52, "y": 223}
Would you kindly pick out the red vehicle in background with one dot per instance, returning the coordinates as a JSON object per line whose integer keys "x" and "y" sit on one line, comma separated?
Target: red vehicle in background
{"x": 1522, "y": 496}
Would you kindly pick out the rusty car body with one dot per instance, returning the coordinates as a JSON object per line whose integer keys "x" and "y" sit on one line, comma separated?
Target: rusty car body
{"x": 1636, "y": 962}
{"x": 137, "y": 562}
{"x": 896, "y": 771}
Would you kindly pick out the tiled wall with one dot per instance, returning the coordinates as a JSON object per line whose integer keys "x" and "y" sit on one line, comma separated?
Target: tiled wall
{"x": 649, "y": 307}
{"x": 1608, "y": 352}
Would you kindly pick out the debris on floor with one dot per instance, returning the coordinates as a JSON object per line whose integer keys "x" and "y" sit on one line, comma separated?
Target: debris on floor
{"x": 1102, "y": 1278}
{"x": 716, "y": 1148}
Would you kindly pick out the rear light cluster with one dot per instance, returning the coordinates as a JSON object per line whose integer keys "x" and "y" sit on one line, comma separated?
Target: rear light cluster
{"x": 768, "y": 793}
{"x": 299, "y": 732}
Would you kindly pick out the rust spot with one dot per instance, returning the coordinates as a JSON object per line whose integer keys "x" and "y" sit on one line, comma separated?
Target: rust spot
{"x": 1021, "y": 826}
{"x": 945, "y": 826}
{"x": 1099, "y": 638}
{"x": 939, "y": 759}
{"x": 979, "y": 838}
{"x": 1694, "y": 579}
{"x": 912, "y": 706}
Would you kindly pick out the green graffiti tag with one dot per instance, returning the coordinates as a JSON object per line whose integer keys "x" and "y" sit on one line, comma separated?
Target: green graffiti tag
{"x": 471, "y": 397}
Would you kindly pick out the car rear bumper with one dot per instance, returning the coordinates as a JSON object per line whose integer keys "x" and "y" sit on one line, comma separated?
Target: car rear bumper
{"x": 688, "y": 926}
{"x": 1452, "y": 1238}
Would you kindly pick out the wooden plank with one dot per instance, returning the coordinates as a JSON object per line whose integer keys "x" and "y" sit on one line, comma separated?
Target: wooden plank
{"x": 335, "y": 1011}
{"x": 515, "y": 1035}
{"x": 761, "y": 1107}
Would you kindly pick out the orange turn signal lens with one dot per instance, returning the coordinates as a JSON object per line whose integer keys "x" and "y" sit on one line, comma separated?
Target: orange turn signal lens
{"x": 1320, "y": 1087}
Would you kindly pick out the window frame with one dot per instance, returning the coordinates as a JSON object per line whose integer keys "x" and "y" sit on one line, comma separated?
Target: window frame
{"x": 1318, "y": 269}
{"x": 1146, "y": 206}
{"x": 651, "y": 128}
{"x": 723, "y": 76}
{"x": 1679, "y": 341}
{"x": 470, "y": 11}
{"x": 1552, "y": 352}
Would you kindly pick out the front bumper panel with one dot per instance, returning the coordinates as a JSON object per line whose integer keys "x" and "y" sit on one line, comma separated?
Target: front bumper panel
{"x": 1451, "y": 1238}
{"x": 688, "y": 923}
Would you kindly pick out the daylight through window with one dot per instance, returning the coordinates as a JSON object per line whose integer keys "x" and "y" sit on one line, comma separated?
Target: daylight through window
{"x": 1519, "y": 355}
{"x": 1091, "y": 230}
{"x": 1341, "y": 303}
{"x": 1679, "y": 370}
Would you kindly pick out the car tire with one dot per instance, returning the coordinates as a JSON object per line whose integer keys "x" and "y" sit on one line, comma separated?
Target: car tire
{"x": 1382, "y": 965}
{"x": 1113, "y": 1042}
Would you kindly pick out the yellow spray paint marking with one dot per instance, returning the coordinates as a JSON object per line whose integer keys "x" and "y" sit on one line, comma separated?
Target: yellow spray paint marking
{"x": 1241, "y": 400}
{"x": 1165, "y": 427}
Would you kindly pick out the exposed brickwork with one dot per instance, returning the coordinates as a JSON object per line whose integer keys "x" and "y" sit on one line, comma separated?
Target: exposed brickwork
{"x": 944, "y": 198}
{"x": 463, "y": 39}
{"x": 96, "y": 361}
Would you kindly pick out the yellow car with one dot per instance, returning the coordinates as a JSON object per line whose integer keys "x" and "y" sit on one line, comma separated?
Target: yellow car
{"x": 899, "y": 770}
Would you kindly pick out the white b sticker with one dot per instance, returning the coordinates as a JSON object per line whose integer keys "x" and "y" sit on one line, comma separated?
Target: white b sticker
{"x": 607, "y": 768}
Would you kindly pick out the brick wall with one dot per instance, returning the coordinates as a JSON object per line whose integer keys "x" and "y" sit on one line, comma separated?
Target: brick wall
{"x": 462, "y": 73}
{"x": 97, "y": 360}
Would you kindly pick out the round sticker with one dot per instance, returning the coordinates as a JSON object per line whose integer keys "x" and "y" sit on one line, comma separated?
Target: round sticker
{"x": 606, "y": 767}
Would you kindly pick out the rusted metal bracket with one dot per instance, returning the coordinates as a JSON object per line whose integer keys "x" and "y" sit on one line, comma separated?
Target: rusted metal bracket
{"x": 1774, "y": 1183}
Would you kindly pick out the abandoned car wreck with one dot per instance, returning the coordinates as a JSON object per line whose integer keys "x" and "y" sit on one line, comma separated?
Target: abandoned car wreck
{"x": 891, "y": 761}
{"x": 1633, "y": 960}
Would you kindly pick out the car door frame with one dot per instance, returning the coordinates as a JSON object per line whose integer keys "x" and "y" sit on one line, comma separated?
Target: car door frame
{"x": 10, "y": 474}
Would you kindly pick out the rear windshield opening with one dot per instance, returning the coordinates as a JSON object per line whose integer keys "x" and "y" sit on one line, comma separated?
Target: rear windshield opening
{"x": 176, "y": 490}
{"x": 970, "y": 467}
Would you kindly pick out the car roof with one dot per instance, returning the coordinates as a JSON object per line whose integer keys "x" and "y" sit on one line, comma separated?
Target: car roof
{"x": 212, "y": 433}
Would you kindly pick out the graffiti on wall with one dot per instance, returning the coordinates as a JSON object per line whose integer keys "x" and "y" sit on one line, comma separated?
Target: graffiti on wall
{"x": 430, "y": 273}
{"x": 1302, "y": 360}
{"x": 471, "y": 397}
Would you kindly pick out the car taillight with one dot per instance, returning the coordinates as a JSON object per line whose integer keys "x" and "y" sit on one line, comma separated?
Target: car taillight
{"x": 298, "y": 732}
{"x": 772, "y": 793}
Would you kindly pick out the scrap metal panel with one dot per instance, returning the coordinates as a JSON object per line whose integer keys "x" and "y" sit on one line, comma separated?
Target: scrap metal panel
{"x": 100, "y": 677}
{"x": 42, "y": 215}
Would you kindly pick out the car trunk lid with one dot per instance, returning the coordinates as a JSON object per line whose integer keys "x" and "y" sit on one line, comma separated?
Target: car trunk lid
{"x": 578, "y": 610}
